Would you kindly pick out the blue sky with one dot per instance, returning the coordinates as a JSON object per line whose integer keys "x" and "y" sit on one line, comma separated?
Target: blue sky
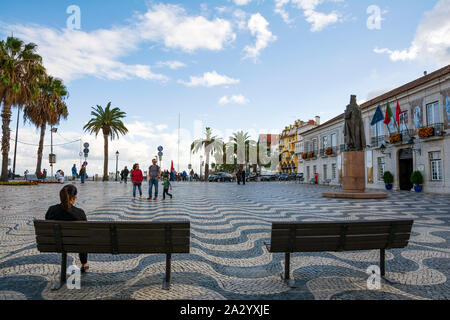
{"x": 249, "y": 65}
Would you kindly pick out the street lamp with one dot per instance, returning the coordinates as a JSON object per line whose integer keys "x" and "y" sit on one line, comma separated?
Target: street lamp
{"x": 117, "y": 162}
{"x": 52, "y": 157}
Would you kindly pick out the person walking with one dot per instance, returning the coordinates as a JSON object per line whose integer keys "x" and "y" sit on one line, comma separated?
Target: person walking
{"x": 124, "y": 174}
{"x": 167, "y": 185}
{"x": 238, "y": 176}
{"x": 83, "y": 174}
{"x": 74, "y": 172}
{"x": 136, "y": 179}
{"x": 154, "y": 172}
{"x": 243, "y": 177}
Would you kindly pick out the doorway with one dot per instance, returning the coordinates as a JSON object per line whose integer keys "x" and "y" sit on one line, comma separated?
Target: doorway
{"x": 405, "y": 169}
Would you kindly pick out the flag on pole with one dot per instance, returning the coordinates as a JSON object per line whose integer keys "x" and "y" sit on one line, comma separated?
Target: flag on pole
{"x": 389, "y": 115}
{"x": 171, "y": 167}
{"x": 398, "y": 112}
{"x": 377, "y": 117}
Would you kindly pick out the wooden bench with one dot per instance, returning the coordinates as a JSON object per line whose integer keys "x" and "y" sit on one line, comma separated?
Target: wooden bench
{"x": 112, "y": 238}
{"x": 290, "y": 237}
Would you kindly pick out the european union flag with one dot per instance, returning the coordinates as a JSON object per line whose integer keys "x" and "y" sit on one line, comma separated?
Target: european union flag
{"x": 377, "y": 117}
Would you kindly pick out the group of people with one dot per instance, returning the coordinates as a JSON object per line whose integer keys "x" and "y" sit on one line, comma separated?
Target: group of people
{"x": 82, "y": 174}
{"x": 154, "y": 176}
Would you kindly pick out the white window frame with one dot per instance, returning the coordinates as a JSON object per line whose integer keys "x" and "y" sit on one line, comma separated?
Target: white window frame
{"x": 433, "y": 115}
{"x": 435, "y": 166}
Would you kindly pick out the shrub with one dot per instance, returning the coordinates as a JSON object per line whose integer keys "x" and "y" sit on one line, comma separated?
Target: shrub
{"x": 416, "y": 178}
{"x": 388, "y": 178}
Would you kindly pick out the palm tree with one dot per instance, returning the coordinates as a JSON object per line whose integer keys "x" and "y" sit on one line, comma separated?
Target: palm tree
{"x": 20, "y": 70}
{"x": 109, "y": 122}
{"x": 243, "y": 145}
{"x": 48, "y": 108}
{"x": 211, "y": 144}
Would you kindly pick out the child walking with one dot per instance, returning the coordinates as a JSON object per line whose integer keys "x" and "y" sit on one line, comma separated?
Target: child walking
{"x": 136, "y": 179}
{"x": 167, "y": 185}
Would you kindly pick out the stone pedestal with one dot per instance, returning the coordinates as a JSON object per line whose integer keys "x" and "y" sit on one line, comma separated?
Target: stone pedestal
{"x": 354, "y": 179}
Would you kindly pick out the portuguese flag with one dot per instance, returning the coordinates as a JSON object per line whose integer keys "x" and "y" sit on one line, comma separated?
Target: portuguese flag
{"x": 389, "y": 115}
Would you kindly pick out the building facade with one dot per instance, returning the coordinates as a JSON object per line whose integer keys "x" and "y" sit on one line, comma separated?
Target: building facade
{"x": 418, "y": 141}
{"x": 290, "y": 141}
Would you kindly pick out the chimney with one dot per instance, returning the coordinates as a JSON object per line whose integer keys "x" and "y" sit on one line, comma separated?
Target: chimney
{"x": 425, "y": 73}
{"x": 317, "y": 120}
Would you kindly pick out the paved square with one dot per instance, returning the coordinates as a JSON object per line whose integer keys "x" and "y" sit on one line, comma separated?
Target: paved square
{"x": 229, "y": 224}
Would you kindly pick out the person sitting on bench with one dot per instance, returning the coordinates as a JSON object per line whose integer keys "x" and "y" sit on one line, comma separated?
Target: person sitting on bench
{"x": 66, "y": 211}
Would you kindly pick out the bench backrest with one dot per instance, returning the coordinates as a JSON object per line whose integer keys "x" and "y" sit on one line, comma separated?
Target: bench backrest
{"x": 112, "y": 237}
{"x": 340, "y": 236}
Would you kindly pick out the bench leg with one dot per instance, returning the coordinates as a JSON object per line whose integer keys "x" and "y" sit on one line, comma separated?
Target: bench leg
{"x": 63, "y": 275}
{"x": 166, "y": 281}
{"x": 287, "y": 271}
{"x": 382, "y": 262}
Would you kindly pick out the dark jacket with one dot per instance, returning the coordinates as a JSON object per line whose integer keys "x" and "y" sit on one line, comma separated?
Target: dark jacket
{"x": 57, "y": 212}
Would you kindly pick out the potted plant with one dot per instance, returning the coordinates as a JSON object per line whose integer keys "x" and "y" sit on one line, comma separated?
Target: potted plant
{"x": 329, "y": 151}
{"x": 395, "y": 137}
{"x": 388, "y": 179}
{"x": 417, "y": 181}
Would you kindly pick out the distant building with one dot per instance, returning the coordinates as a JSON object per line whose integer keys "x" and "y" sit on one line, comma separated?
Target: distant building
{"x": 421, "y": 140}
{"x": 270, "y": 142}
{"x": 290, "y": 142}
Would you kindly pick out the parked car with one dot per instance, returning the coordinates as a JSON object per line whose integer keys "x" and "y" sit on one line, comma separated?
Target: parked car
{"x": 300, "y": 177}
{"x": 292, "y": 177}
{"x": 212, "y": 177}
{"x": 221, "y": 177}
{"x": 284, "y": 177}
{"x": 269, "y": 177}
{"x": 252, "y": 177}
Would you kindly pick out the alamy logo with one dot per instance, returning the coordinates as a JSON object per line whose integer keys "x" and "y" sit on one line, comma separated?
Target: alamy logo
{"x": 74, "y": 279}
{"x": 74, "y": 20}
{"x": 374, "y": 20}
{"x": 374, "y": 280}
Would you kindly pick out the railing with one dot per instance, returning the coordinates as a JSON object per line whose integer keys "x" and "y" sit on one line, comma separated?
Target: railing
{"x": 376, "y": 142}
{"x": 332, "y": 151}
{"x": 434, "y": 130}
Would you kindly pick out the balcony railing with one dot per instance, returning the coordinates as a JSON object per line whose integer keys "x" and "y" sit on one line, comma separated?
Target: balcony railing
{"x": 434, "y": 130}
{"x": 376, "y": 142}
{"x": 331, "y": 151}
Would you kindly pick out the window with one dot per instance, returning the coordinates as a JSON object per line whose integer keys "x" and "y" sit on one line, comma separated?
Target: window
{"x": 433, "y": 114}
{"x": 324, "y": 142}
{"x": 307, "y": 174}
{"x": 314, "y": 146}
{"x": 436, "y": 166}
{"x": 325, "y": 176}
{"x": 403, "y": 121}
{"x": 333, "y": 171}
{"x": 380, "y": 129}
{"x": 333, "y": 140}
{"x": 315, "y": 169}
{"x": 381, "y": 165}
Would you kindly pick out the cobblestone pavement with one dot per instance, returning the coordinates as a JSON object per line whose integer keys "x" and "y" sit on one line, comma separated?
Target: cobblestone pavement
{"x": 229, "y": 224}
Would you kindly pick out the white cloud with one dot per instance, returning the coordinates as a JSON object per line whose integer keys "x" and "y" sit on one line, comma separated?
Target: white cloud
{"x": 259, "y": 27}
{"x": 209, "y": 79}
{"x": 241, "y": 2}
{"x": 71, "y": 54}
{"x": 171, "y": 25}
{"x": 240, "y": 18}
{"x": 318, "y": 20}
{"x": 171, "y": 64}
{"x": 431, "y": 41}
{"x": 235, "y": 99}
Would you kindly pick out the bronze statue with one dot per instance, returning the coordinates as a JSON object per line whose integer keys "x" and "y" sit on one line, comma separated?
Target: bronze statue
{"x": 355, "y": 138}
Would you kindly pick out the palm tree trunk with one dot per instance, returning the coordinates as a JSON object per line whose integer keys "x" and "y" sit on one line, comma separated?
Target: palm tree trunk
{"x": 40, "y": 150}
{"x": 105, "y": 161}
{"x": 207, "y": 166}
{"x": 6, "y": 119}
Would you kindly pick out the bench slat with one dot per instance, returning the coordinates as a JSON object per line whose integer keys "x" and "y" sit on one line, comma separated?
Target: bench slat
{"x": 131, "y": 249}
{"x": 336, "y": 230}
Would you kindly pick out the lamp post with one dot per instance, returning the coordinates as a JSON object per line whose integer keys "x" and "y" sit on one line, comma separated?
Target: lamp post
{"x": 117, "y": 162}
{"x": 52, "y": 157}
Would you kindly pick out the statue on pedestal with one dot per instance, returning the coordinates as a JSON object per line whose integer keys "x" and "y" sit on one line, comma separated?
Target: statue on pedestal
{"x": 355, "y": 138}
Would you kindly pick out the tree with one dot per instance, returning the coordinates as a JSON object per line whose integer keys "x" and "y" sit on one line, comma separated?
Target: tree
{"x": 48, "y": 108}
{"x": 109, "y": 122}
{"x": 20, "y": 71}
{"x": 244, "y": 148}
{"x": 210, "y": 144}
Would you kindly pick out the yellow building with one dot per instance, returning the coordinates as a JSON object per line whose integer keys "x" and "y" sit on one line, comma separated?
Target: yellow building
{"x": 291, "y": 135}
